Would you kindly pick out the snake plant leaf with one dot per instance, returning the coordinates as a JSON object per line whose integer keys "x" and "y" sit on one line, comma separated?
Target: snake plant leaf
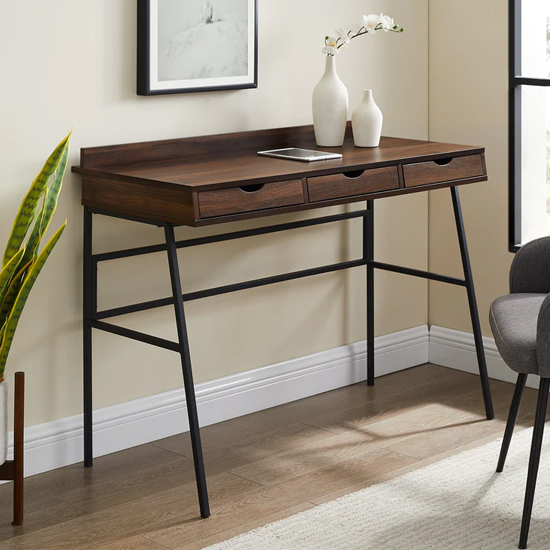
{"x": 49, "y": 205}
{"x": 7, "y": 272}
{"x": 8, "y": 302}
{"x": 12, "y": 291}
{"x": 52, "y": 194}
{"x": 35, "y": 237}
{"x": 27, "y": 210}
{"x": 21, "y": 299}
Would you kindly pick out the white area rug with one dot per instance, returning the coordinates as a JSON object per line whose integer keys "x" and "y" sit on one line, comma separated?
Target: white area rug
{"x": 459, "y": 503}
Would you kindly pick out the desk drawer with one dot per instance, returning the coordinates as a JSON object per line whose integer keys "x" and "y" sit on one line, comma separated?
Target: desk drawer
{"x": 449, "y": 169}
{"x": 248, "y": 198}
{"x": 349, "y": 184}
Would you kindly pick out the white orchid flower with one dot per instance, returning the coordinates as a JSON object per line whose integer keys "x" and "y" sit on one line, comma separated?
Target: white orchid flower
{"x": 329, "y": 50}
{"x": 330, "y": 46}
{"x": 387, "y": 22}
{"x": 371, "y": 22}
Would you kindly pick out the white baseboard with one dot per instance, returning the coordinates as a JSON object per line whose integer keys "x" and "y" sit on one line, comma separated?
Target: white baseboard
{"x": 59, "y": 443}
{"x": 456, "y": 349}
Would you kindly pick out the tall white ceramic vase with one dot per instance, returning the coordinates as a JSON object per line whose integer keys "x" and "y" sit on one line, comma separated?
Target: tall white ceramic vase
{"x": 330, "y": 107}
{"x": 366, "y": 122}
{"x": 3, "y": 422}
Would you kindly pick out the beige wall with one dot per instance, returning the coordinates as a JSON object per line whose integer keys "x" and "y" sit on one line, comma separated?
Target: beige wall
{"x": 71, "y": 64}
{"x": 468, "y": 68}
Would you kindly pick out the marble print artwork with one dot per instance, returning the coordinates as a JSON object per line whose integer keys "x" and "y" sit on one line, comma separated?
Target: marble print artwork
{"x": 202, "y": 39}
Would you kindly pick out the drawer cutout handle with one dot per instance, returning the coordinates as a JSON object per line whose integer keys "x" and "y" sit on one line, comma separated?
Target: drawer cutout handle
{"x": 353, "y": 174}
{"x": 252, "y": 188}
{"x": 443, "y": 162}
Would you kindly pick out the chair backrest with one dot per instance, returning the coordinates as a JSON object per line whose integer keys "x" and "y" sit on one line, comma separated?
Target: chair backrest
{"x": 530, "y": 270}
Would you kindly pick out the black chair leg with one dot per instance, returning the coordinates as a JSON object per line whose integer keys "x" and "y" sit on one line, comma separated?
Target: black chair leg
{"x": 534, "y": 460}
{"x": 511, "y": 424}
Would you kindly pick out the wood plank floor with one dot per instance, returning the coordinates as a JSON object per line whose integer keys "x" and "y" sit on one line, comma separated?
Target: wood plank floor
{"x": 262, "y": 467}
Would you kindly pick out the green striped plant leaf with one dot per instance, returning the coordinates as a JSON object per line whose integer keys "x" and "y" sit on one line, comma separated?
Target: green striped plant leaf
{"x": 33, "y": 242}
{"x": 42, "y": 221}
{"x": 12, "y": 291}
{"x": 52, "y": 194}
{"x": 21, "y": 300}
{"x": 6, "y": 275}
{"x": 29, "y": 206}
{"x": 7, "y": 272}
{"x": 10, "y": 296}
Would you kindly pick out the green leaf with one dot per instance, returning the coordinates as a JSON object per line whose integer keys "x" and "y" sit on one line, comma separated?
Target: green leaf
{"x": 42, "y": 221}
{"x": 7, "y": 272}
{"x": 52, "y": 194}
{"x": 27, "y": 210}
{"x": 12, "y": 291}
{"x": 35, "y": 237}
{"x": 30, "y": 279}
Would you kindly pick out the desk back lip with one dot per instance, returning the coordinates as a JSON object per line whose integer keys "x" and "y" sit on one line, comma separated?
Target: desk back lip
{"x": 208, "y": 145}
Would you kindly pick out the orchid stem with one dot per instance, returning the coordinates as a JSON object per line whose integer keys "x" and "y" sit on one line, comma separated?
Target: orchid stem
{"x": 363, "y": 30}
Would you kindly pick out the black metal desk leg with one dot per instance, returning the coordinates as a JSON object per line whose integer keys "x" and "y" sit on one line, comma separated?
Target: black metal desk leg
{"x": 89, "y": 282}
{"x": 368, "y": 254}
{"x": 486, "y": 388}
{"x": 187, "y": 373}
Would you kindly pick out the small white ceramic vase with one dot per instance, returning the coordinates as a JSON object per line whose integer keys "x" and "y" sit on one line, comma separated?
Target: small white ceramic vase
{"x": 3, "y": 422}
{"x": 366, "y": 122}
{"x": 330, "y": 107}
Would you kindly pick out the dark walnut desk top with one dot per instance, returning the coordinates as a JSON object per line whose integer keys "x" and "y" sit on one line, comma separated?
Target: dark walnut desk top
{"x": 213, "y": 179}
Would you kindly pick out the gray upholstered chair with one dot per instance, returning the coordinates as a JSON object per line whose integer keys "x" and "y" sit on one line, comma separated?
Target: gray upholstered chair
{"x": 520, "y": 322}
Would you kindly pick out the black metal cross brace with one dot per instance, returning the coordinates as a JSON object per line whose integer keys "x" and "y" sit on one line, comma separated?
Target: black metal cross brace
{"x": 93, "y": 319}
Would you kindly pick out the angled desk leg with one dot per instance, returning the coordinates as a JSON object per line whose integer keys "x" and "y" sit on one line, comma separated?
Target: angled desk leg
{"x": 368, "y": 254}
{"x": 89, "y": 291}
{"x": 187, "y": 372}
{"x": 473, "y": 305}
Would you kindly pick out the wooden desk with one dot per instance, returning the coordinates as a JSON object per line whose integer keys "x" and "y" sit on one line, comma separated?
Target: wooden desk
{"x": 216, "y": 179}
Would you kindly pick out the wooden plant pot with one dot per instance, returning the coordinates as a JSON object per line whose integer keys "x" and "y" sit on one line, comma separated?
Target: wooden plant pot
{"x": 12, "y": 470}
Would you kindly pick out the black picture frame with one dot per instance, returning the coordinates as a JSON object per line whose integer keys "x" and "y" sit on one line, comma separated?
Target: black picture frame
{"x": 148, "y": 80}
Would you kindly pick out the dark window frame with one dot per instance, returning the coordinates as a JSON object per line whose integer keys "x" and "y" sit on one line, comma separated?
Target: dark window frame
{"x": 514, "y": 122}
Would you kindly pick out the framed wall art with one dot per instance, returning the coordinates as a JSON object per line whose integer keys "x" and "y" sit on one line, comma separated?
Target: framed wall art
{"x": 196, "y": 46}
